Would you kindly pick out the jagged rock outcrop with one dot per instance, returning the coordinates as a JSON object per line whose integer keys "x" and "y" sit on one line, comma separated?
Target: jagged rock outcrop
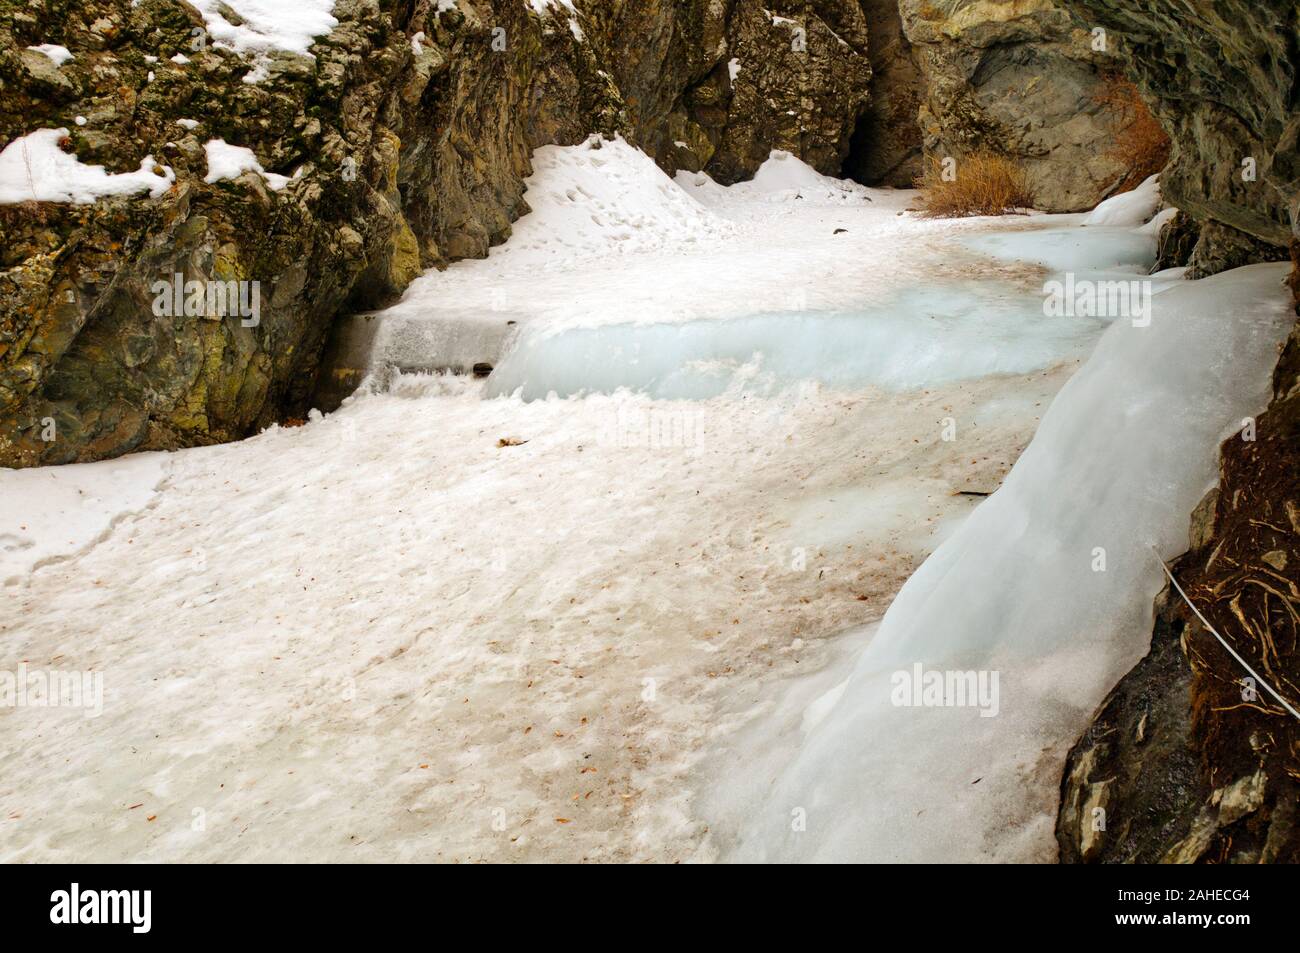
{"x": 1020, "y": 79}
{"x": 406, "y": 134}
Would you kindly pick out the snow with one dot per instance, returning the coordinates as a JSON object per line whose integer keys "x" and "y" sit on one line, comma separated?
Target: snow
{"x": 229, "y": 162}
{"x": 490, "y": 631}
{"x": 53, "y": 512}
{"x": 448, "y": 623}
{"x": 1157, "y": 224}
{"x": 733, "y": 68}
{"x": 598, "y": 198}
{"x": 34, "y": 168}
{"x": 543, "y": 7}
{"x": 1129, "y": 209}
{"x": 1124, "y": 454}
{"x": 59, "y": 54}
{"x": 780, "y": 180}
{"x": 267, "y": 25}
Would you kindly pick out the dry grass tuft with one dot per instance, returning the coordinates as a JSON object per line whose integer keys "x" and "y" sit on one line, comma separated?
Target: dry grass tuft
{"x": 981, "y": 184}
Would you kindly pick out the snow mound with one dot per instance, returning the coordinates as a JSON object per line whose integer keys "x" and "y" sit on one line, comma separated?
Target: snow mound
{"x": 1049, "y": 586}
{"x": 605, "y": 197}
{"x": 1130, "y": 209}
{"x": 267, "y": 25}
{"x": 228, "y": 162}
{"x": 34, "y": 168}
{"x": 782, "y": 178}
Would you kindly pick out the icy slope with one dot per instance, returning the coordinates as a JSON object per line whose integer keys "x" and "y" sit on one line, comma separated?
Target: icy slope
{"x": 610, "y": 239}
{"x": 1049, "y": 584}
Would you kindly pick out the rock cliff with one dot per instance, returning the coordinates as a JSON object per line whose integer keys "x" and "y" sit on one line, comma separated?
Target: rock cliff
{"x": 404, "y": 133}
{"x": 1019, "y": 78}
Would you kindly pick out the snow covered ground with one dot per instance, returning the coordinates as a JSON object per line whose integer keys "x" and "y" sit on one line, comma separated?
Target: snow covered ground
{"x": 436, "y": 626}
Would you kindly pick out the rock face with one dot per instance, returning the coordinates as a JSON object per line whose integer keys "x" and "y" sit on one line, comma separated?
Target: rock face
{"x": 1021, "y": 79}
{"x": 1220, "y": 76}
{"x": 886, "y": 148}
{"x": 1195, "y": 764}
{"x": 406, "y": 133}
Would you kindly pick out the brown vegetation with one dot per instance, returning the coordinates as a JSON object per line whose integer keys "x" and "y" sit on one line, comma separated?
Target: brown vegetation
{"x": 981, "y": 184}
{"x": 1141, "y": 144}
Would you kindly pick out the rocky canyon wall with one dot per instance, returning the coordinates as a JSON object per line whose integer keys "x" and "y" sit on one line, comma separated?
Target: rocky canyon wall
{"x": 405, "y": 132}
{"x": 1019, "y": 78}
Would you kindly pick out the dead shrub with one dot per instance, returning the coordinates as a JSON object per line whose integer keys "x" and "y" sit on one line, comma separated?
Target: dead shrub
{"x": 1141, "y": 144}
{"x": 980, "y": 184}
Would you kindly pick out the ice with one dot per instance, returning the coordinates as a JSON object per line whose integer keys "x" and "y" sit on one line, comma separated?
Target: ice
{"x": 922, "y": 337}
{"x": 34, "y": 168}
{"x": 1070, "y": 249}
{"x": 405, "y": 342}
{"x": 1130, "y": 209}
{"x": 934, "y": 333}
{"x": 1126, "y": 451}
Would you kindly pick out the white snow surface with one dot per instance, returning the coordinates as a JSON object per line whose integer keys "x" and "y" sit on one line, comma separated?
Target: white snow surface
{"x": 59, "y": 54}
{"x": 433, "y": 626}
{"x": 267, "y": 25}
{"x": 34, "y": 168}
{"x": 52, "y": 512}
{"x": 229, "y": 162}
